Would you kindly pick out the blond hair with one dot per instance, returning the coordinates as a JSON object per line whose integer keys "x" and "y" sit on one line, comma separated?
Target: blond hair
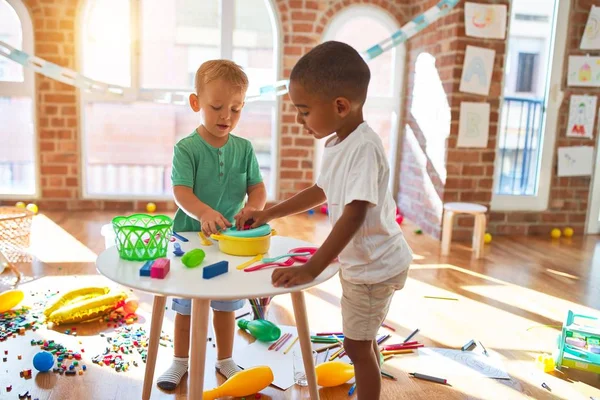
{"x": 220, "y": 69}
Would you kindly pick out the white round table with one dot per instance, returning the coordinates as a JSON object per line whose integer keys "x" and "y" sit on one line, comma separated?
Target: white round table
{"x": 188, "y": 283}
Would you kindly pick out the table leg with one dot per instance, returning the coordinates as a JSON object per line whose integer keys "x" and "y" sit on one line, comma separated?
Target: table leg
{"x": 447, "y": 226}
{"x": 158, "y": 312}
{"x": 305, "y": 344}
{"x": 199, "y": 328}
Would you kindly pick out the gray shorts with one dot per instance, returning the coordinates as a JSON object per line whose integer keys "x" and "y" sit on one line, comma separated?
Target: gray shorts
{"x": 184, "y": 306}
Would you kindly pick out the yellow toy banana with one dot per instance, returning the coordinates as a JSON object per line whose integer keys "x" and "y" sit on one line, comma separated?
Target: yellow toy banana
{"x": 75, "y": 296}
{"x": 243, "y": 383}
{"x": 87, "y": 309}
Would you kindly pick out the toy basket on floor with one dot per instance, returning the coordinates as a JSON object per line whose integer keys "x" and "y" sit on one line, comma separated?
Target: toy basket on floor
{"x": 15, "y": 232}
{"x": 142, "y": 237}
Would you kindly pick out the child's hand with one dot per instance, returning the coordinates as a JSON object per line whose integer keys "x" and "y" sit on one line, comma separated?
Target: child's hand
{"x": 293, "y": 276}
{"x": 212, "y": 222}
{"x": 243, "y": 217}
{"x": 255, "y": 217}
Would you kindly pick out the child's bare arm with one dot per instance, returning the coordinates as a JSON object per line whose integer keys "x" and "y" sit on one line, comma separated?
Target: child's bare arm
{"x": 305, "y": 200}
{"x": 342, "y": 233}
{"x": 257, "y": 198}
{"x": 210, "y": 219}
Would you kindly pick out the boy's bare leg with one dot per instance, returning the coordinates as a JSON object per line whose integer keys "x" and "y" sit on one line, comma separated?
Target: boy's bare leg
{"x": 376, "y": 350}
{"x": 366, "y": 368}
{"x": 181, "y": 348}
{"x": 181, "y": 337}
{"x": 224, "y": 324}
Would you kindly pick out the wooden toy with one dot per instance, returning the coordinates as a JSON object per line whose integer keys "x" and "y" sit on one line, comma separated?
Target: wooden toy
{"x": 243, "y": 383}
{"x": 216, "y": 269}
{"x": 577, "y": 330}
{"x": 160, "y": 268}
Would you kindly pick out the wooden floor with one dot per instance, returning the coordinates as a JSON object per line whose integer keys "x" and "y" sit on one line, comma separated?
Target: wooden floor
{"x": 514, "y": 301}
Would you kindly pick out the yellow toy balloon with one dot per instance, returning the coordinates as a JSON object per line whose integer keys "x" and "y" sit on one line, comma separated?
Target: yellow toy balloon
{"x": 32, "y": 207}
{"x": 487, "y": 238}
{"x": 20, "y": 204}
{"x": 10, "y": 299}
{"x": 568, "y": 232}
{"x": 555, "y": 233}
{"x": 243, "y": 383}
{"x": 150, "y": 207}
{"x": 334, "y": 373}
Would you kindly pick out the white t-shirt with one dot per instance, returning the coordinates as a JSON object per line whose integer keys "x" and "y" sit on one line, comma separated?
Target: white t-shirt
{"x": 357, "y": 169}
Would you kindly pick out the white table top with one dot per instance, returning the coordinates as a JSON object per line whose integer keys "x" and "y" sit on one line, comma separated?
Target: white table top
{"x": 468, "y": 208}
{"x": 188, "y": 283}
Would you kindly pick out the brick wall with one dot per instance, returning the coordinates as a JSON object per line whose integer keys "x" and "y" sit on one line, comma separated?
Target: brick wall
{"x": 431, "y": 171}
{"x": 568, "y": 195}
{"x": 303, "y": 23}
{"x": 470, "y": 171}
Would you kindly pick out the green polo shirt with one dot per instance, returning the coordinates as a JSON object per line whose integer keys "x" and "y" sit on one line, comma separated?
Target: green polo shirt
{"x": 219, "y": 177}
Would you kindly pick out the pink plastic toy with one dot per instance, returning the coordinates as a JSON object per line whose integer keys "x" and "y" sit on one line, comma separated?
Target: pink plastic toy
{"x": 160, "y": 268}
{"x": 289, "y": 262}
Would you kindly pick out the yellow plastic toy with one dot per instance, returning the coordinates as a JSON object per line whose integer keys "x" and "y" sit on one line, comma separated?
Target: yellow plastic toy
{"x": 545, "y": 363}
{"x": 555, "y": 233}
{"x": 20, "y": 204}
{"x": 32, "y": 207}
{"x": 334, "y": 373}
{"x": 487, "y": 238}
{"x": 244, "y": 383}
{"x": 568, "y": 232}
{"x": 150, "y": 207}
{"x": 83, "y": 304}
{"x": 10, "y": 299}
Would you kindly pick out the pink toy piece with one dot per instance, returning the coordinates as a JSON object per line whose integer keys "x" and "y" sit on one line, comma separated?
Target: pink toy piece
{"x": 289, "y": 262}
{"x": 399, "y": 219}
{"x": 160, "y": 268}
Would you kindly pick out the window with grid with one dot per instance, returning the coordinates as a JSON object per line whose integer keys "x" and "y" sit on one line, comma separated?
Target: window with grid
{"x": 362, "y": 27}
{"x": 129, "y": 139}
{"x": 18, "y": 166}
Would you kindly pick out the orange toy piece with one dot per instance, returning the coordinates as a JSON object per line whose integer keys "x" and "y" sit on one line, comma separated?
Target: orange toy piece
{"x": 334, "y": 373}
{"x": 130, "y": 306}
{"x": 244, "y": 383}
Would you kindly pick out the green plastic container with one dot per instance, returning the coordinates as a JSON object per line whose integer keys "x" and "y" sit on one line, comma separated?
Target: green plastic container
{"x": 142, "y": 237}
{"x": 262, "y": 330}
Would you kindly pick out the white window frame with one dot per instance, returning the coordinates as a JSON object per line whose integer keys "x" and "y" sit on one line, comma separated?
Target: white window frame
{"x": 381, "y": 102}
{"x": 177, "y": 95}
{"x": 539, "y": 202}
{"x": 593, "y": 214}
{"x": 25, "y": 89}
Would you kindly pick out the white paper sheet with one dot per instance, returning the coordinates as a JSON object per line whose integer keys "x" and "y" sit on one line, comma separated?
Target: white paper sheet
{"x": 448, "y": 363}
{"x": 584, "y": 71}
{"x": 258, "y": 353}
{"x": 575, "y": 161}
{"x": 474, "y": 125}
{"x": 477, "y": 70}
{"x": 591, "y": 35}
{"x": 485, "y": 20}
{"x": 582, "y": 113}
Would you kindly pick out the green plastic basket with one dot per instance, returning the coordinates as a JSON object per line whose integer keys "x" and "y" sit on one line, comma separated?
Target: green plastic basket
{"x": 142, "y": 237}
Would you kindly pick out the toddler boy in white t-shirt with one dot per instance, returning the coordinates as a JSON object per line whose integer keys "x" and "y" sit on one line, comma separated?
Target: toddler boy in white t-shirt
{"x": 328, "y": 87}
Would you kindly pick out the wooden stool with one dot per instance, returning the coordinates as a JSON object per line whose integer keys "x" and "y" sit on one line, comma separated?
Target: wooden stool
{"x": 477, "y": 210}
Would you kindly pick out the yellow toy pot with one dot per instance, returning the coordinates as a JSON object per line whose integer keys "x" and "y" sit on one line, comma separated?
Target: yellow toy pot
{"x": 244, "y": 246}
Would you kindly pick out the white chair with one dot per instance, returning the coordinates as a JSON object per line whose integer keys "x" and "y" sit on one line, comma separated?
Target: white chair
{"x": 478, "y": 211}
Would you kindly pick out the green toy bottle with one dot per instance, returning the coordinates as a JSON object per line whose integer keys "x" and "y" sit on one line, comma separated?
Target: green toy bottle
{"x": 262, "y": 330}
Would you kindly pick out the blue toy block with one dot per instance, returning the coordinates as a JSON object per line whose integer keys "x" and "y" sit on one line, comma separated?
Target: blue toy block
{"x": 216, "y": 269}
{"x": 145, "y": 270}
{"x": 178, "y": 252}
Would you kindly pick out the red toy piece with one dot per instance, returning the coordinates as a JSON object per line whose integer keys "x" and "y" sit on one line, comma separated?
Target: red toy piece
{"x": 160, "y": 268}
{"x": 324, "y": 209}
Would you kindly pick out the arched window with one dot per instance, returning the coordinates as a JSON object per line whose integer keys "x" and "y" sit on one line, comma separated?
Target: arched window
{"x": 18, "y": 161}
{"x": 362, "y": 27}
{"x": 129, "y": 139}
